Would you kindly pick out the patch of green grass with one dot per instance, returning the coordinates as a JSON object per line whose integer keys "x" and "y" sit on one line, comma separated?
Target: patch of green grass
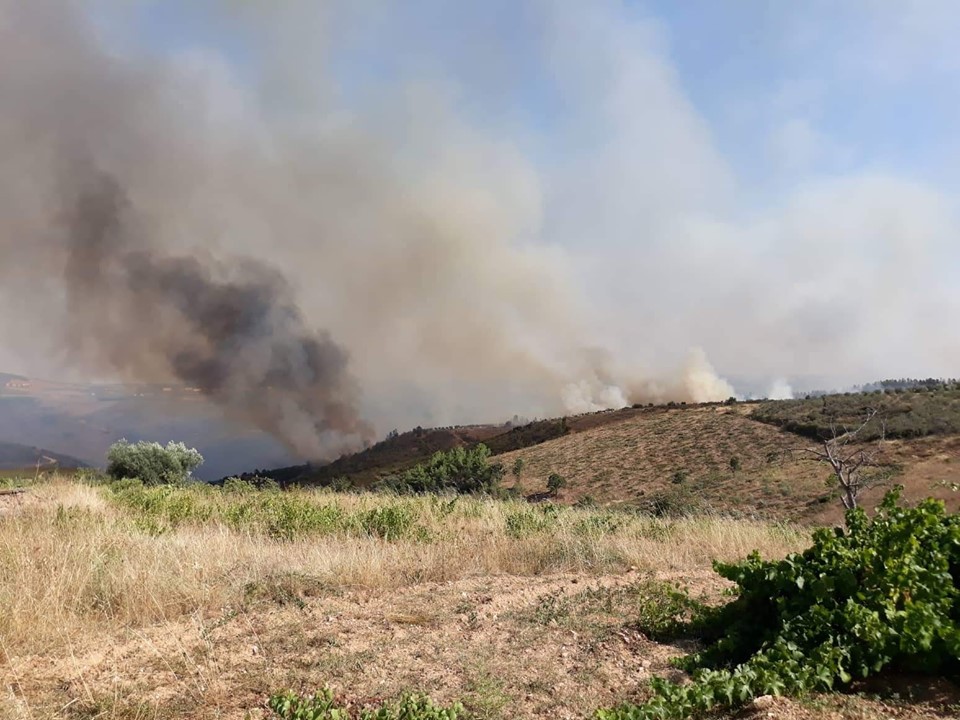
{"x": 324, "y": 705}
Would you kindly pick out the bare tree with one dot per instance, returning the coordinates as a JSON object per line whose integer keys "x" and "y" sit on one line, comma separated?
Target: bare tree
{"x": 851, "y": 460}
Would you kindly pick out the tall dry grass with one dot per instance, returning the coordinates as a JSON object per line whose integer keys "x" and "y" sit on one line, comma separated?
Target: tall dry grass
{"x": 76, "y": 559}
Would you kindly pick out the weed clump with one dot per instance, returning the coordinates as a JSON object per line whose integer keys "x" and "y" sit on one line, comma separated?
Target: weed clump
{"x": 324, "y": 706}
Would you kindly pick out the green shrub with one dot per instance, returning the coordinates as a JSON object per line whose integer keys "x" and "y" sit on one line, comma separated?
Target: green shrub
{"x": 458, "y": 470}
{"x": 324, "y": 706}
{"x": 287, "y": 517}
{"x": 882, "y": 594}
{"x": 555, "y": 483}
{"x": 152, "y": 463}
{"x": 677, "y": 501}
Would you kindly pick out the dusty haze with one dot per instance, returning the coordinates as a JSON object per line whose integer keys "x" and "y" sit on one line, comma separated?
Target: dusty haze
{"x": 329, "y": 260}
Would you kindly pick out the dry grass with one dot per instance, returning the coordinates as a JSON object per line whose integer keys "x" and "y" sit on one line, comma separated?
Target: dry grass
{"x": 71, "y": 563}
{"x": 104, "y": 616}
{"x": 639, "y": 457}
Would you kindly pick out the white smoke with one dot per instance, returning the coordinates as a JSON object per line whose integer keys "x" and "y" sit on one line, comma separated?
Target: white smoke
{"x": 780, "y": 390}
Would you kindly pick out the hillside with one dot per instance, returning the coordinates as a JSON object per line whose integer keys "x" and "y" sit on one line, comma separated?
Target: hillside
{"x": 679, "y": 459}
{"x": 404, "y": 450}
{"x": 740, "y": 458}
{"x": 14, "y": 456}
{"x": 83, "y": 420}
{"x": 902, "y": 413}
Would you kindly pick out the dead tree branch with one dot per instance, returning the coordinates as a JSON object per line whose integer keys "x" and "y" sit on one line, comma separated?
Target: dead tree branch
{"x": 849, "y": 460}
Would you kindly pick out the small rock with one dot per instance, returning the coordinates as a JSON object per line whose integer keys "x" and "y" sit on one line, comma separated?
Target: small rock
{"x": 764, "y": 702}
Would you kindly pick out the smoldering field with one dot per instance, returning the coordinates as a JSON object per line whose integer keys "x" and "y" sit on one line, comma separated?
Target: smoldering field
{"x": 345, "y": 225}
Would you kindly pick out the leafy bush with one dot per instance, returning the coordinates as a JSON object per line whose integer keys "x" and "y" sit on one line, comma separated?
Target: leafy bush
{"x": 677, "y": 501}
{"x": 459, "y": 470}
{"x": 555, "y": 483}
{"x": 324, "y": 706}
{"x": 883, "y": 594}
{"x": 152, "y": 463}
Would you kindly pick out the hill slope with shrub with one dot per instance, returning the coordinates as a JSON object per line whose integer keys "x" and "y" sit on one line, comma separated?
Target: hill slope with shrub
{"x": 903, "y": 413}
{"x": 14, "y": 456}
{"x": 718, "y": 457}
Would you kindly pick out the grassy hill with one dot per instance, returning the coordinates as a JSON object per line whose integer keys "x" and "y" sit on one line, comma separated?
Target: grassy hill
{"x": 746, "y": 458}
{"x": 904, "y": 413}
{"x": 720, "y": 458}
{"x": 404, "y": 450}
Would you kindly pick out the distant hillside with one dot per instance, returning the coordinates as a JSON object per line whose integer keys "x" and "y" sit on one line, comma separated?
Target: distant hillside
{"x": 398, "y": 452}
{"x": 720, "y": 458}
{"x": 916, "y": 412}
{"x": 404, "y": 450}
{"x": 82, "y": 421}
{"x": 737, "y": 457}
{"x": 14, "y": 456}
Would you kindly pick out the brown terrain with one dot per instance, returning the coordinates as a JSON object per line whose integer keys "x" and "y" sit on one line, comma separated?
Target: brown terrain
{"x": 103, "y": 615}
{"x": 686, "y": 452}
{"x": 204, "y": 622}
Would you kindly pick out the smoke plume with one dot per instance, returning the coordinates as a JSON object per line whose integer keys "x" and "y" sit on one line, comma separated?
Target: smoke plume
{"x": 336, "y": 219}
{"x": 233, "y": 332}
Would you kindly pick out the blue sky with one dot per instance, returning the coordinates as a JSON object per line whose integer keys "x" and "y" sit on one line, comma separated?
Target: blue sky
{"x": 787, "y": 89}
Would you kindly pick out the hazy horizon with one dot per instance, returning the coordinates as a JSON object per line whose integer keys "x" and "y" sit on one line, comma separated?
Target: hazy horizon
{"x": 339, "y": 218}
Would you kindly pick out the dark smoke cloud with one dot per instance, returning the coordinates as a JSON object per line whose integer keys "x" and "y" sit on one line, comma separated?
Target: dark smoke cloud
{"x": 233, "y": 331}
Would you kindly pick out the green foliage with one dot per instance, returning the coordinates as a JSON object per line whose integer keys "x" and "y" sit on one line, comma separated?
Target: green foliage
{"x": 663, "y": 610}
{"x": 555, "y": 483}
{"x": 152, "y": 463}
{"x": 883, "y": 594}
{"x": 459, "y": 470}
{"x": 324, "y": 706}
{"x": 517, "y": 468}
{"x": 913, "y": 413}
{"x": 280, "y": 515}
{"x": 389, "y": 522}
{"x": 526, "y": 521}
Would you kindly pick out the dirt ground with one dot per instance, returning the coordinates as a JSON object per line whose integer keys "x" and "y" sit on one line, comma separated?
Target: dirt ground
{"x": 508, "y": 647}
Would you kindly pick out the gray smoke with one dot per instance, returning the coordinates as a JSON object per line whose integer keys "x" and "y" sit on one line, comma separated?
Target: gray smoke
{"x": 85, "y": 134}
{"x": 233, "y": 332}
